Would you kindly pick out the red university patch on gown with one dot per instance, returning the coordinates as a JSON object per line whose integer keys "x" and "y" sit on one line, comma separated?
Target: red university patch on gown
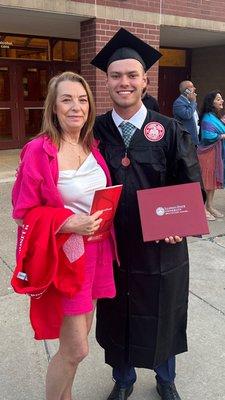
{"x": 154, "y": 131}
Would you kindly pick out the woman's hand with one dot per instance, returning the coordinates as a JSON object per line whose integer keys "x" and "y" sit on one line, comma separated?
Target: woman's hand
{"x": 82, "y": 224}
{"x": 222, "y": 136}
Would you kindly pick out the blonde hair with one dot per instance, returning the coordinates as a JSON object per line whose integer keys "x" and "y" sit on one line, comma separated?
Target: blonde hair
{"x": 50, "y": 123}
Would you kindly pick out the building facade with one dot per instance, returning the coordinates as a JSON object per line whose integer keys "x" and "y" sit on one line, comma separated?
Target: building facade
{"x": 41, "y": 38}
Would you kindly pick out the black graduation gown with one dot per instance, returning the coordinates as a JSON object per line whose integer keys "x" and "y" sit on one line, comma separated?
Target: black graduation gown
{"x": 150, "y": 102}
{"x": 146, "y": 322}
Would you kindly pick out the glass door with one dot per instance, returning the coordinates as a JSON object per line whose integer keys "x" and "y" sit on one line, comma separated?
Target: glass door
{"x": 23, "y": 89}
{"x": 9, "y": 108}
{"x": 26, "y": 65}
{"x": 33, "y": 81}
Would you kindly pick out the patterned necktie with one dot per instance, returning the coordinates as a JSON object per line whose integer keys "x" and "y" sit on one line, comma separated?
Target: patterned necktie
{"x": 128, "y": 130}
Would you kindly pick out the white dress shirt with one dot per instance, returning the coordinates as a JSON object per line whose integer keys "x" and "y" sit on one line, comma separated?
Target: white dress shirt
{"x": 196, "y": 117}
{"x": 137, "y": 119}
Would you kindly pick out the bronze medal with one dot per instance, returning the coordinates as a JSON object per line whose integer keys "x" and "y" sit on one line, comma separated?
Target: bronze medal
{"x": 125, "y": 161}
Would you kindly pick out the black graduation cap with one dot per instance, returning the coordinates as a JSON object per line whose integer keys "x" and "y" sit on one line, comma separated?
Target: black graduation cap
{"x": 125, "y": 45}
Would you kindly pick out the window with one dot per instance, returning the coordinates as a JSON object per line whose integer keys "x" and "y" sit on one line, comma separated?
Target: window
{"x": 24, "y": 47}
{"x": 36, "y": 48}
{"x": 172, "y": 58}
{"x": 65, "y": 50}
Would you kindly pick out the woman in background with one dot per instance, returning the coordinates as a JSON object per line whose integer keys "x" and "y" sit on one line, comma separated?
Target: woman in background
{"x": 211, "y": 151}
{"x": 62, "y": 168}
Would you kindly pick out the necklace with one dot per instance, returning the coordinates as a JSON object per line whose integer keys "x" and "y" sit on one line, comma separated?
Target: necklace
{"x": 72, "y": 144}
{"x": 78, "y": 155}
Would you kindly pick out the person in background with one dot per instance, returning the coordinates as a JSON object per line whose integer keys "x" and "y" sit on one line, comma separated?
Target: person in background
{"x": 149, "y": 101}
{"x": 185, "y": 109}
{"x": 211, "y": 150}
{"x": 62, "y": 168}
{"x": 222, "y": 115}
{"x": 145, "y": 325}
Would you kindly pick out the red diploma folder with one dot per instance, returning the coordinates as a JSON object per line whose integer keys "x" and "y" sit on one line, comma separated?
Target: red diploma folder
{"x": 107, "y": 200}
{"x": 172, "y": 210}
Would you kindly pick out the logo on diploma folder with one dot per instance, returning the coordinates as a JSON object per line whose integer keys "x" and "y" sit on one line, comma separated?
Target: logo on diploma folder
{"x": 160, "y": 211}
{"x": 178, "y": 209}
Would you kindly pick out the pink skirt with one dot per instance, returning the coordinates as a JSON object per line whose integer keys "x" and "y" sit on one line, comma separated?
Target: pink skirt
{"x": 207, "y": 161}
{"x": 98, "y": 281}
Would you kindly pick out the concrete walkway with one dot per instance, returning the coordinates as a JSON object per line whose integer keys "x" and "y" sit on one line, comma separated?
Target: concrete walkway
{"x": 8, "y": 164}
{"x": 200, "y": 372}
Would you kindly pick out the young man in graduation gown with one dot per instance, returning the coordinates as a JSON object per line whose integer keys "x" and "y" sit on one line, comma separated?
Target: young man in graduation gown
{"x": 145, "y": 324}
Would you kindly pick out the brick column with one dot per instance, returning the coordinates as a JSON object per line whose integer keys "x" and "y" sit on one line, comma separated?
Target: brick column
{"x": 95, "y": 33}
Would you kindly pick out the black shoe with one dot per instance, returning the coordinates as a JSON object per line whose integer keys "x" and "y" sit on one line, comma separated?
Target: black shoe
{"x": 120, "y": 394}
{"x": 168, "y": 391}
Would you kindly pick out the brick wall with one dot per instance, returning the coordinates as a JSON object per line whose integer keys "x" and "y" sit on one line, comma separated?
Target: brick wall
{"x": 95, "y": 33}
{"x": 202, "y": 9}
{"x": 141, "y": 5}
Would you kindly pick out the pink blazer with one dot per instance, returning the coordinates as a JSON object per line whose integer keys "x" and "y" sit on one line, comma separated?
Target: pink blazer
{"x": 37, "y": 177}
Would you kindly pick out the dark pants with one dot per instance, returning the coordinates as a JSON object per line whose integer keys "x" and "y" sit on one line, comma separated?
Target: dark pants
{"x": 126, "y": 376}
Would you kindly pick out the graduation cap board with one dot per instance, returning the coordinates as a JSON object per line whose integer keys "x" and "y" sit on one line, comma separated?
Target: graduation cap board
{"x": 124, "y": 45}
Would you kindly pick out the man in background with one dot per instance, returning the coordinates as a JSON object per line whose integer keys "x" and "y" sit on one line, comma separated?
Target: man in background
{"x": 149, "y": 101}
{"x": 185, "y": 109}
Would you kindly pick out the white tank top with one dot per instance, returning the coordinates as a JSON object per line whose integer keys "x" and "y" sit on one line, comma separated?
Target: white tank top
{"x": 77, "y": 187}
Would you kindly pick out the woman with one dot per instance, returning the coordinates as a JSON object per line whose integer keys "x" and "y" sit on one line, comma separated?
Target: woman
{"x": 211, "y": 150}
{"x": 61, "y": 167}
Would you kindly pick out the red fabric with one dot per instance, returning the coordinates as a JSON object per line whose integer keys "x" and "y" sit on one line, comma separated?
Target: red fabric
{"x": 48, "y": 269}
{"x": 35, "y": 186}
